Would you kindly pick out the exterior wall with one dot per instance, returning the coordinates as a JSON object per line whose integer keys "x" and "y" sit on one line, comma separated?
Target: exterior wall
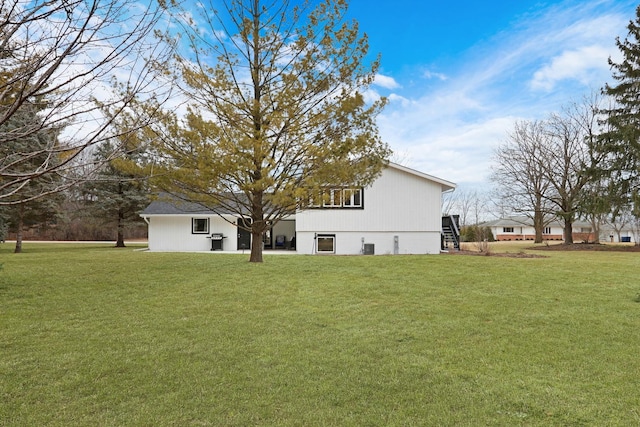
{"x": 351, "y": 243}
{"x": 172, "y": 233}
{"x": 396, "y": 204}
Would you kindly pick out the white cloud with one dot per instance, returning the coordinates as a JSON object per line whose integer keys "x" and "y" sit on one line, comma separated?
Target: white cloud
{"x": 386, "y": 82}
{"x": 431, "y": 75}
{"x": 575, "y": 64}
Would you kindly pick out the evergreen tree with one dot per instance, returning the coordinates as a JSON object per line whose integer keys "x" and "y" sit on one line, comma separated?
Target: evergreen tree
{"x": 31, "y": 201}
{"x": 621, "y": 141}
{"x": 114, "y": 195}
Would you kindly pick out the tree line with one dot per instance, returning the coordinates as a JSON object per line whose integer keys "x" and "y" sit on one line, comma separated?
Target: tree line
{"x": 582, "y": 162}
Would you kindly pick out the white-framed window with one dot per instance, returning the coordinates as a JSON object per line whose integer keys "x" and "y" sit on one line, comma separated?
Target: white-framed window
{"x": 200, "y": 225}
{"x": 326, "y": 243}
{"x": 315, "y": 200}
{"x": 546, "y": 230}
{"x": 352, "y": 198}
{"x": 333, "y": 198}
{"x": 507, "y": 229}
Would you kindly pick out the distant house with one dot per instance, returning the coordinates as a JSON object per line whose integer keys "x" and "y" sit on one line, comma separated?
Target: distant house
{"x": 521, "y": 228}
{"x": 399, "y": 213}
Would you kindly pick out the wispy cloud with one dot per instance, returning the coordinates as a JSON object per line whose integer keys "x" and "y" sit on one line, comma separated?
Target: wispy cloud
{"x": 450, "y": 125}
{"x": 433, "y": 75}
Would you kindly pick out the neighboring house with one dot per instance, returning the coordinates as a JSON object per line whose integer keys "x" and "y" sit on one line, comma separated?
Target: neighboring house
{"x": 625, "y": 234}
{"x": 521, "y": 228}
{"x": 399, "y": 213}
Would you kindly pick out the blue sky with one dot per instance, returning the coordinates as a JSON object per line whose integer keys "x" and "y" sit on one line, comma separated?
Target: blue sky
{"x": 459, "y": 74}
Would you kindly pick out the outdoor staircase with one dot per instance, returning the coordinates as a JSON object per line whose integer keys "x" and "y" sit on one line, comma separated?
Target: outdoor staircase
{"x": 450, "y": 232}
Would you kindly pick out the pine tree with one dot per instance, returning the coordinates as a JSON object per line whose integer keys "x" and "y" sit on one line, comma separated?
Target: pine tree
{"x": 621, "y": 140}
{"x": 115, "y": 195}
{"x": 32, "y": 201}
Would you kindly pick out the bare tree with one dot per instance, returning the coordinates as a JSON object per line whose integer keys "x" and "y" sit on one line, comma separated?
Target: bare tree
{"x": 84, "y": 62}
{"x": 568, "y": 158}
{"x": 521, "y": 183}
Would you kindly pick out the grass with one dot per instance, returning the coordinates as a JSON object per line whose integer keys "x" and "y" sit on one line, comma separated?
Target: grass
{"x": 93, "y": 335}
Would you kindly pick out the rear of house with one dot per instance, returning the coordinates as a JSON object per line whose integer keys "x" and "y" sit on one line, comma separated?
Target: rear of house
{"x": 400, "y": 213}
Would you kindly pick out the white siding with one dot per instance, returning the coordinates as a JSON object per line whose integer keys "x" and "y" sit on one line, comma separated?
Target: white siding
{"x": 172, "y": 233}
{"x": 351, "y": 243}
{"x": 398, "y": 203}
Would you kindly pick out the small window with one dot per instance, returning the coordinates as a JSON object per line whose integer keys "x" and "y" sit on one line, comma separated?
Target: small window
{"x": 326, "y": 243}
{"x": 507, "y": 230}
{"x": 353, "y": 198}
{"x": 547, "y": 230}
{"x": 200, "y": 225}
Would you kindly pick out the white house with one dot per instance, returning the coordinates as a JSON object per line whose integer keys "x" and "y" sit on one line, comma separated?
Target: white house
{"x": 399, "y": 213}
{"x": 521, "y": 228}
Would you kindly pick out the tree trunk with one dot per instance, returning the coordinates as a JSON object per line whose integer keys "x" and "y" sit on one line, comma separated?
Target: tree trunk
{"x": 120, "y": 240}
{"x": 256, "y": 247}
{"x": 538, "y": 225}
{"x": 568, "y": 231}
{"x": 20, "y": 226}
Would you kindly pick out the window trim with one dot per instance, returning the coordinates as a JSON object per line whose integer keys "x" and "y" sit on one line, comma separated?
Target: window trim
{"x": 193, "y": 225}
{"x": 332, "y": 237}
{"x": 338, "y": 198}
{"x": 353, "y": 196}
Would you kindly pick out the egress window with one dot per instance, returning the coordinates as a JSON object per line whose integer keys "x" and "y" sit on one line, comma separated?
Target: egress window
{"x": 326, "y": 243}
{"x": 199, "y": 225}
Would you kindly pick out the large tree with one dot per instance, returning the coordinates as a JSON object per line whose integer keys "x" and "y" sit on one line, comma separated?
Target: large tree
{"x": 29, "y": 207}
{"x": 70, "y": 53}
{"x": 115, "y": 195}
{"x": 275, "y": 110}
{"x": 522, "y": 186}
{"x": 568, "y": 158}
{"x": 620, "y": 143}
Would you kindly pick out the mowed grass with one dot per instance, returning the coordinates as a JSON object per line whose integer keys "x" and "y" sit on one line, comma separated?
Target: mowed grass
{"x": 93, "y": 335}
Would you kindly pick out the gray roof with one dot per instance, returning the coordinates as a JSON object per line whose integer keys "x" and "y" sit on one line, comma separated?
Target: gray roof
{"x": 169, "y": 205}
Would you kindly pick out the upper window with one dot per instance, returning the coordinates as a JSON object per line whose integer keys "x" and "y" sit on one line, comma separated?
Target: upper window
{"x": 585, "y": 230}
{"x": 547, "y": 230}
{"x": 333, "y": 198}
{"x": 352, "y": 198}
{"x": 338, "y": 198}
{"x": 200, "y": 225}
{"x": 507, "y": 229}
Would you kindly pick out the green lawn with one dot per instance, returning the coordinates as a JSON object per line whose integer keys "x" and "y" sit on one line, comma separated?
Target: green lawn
{"x": 96, "y": 336}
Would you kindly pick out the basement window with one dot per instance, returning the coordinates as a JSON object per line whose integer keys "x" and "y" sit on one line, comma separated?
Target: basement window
{"x": 326, "y": 243}
{"x": 199, "y": 225}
